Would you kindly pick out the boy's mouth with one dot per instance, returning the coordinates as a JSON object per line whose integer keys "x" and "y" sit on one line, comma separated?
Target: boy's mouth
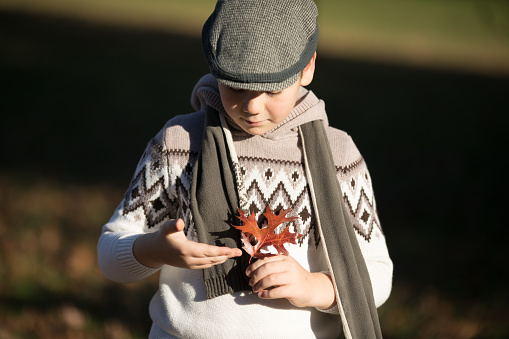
{"x": 253, "y": 123}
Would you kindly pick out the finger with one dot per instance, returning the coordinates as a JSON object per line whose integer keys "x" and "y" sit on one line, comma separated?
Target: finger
{"x": 271, "y": 281}
{"x": 261, "y": 262}
{"x": 265, "y": 266}
{"x": 201, "y": 266}
{"x": 208, "y": 261}
{"x": 214, "y": 251}
{"x": 172, "y": 226}
{"x": 200, "y": 263}
{"x": 269, "y": 275}
{"x": 275, "y": 293}
{"x": 200, "y": 250}
{"x": 179, "y": 225}
{"x": 198, "y": 253}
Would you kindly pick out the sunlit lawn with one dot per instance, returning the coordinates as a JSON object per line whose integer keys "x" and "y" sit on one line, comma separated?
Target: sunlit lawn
{"x": 466, "y": 34}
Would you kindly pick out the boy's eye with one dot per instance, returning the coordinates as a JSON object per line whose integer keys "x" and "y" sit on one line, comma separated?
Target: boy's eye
{"x": 274, "y": 93}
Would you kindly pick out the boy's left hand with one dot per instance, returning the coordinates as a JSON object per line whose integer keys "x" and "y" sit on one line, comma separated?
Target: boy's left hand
{"x": 283, "y": 277}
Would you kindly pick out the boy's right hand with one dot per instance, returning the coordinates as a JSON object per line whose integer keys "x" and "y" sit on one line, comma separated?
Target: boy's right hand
{"x": 170, "y": 246}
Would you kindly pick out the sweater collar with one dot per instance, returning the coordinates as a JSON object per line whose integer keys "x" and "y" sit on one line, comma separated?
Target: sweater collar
{"x": 308, "y": 108}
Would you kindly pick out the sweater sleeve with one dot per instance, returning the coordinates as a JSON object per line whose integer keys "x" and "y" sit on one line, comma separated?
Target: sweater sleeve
{"x": 359, "y": 198}
{"x": 147, "y": 203}
{"x": 360, "y": 201}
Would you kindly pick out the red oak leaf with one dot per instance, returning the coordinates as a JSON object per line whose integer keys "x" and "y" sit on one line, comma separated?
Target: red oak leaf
{"x": 255, "y": 238}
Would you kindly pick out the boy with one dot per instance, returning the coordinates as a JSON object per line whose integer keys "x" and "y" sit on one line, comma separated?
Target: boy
{"x": 258, "y": 138}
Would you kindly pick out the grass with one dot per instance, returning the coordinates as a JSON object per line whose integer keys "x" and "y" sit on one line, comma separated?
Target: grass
{"x": 50, "y": 285}
{"x": 466, "y": 34}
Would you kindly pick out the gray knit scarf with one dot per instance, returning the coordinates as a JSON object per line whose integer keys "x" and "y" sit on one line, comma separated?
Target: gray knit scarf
{"x": 214, "y": 203}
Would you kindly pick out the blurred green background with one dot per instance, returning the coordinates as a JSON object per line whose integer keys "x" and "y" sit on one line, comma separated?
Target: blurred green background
{"x": 421, "y": 85}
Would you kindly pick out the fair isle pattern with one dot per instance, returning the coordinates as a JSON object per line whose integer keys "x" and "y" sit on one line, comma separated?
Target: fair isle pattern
{"x": 357, "y": 190}
{"x": 161, "y": 185}
{"x": 180, "y": 169}
{"x": 147, "y": 191}
{"x": 243, "y": 201}
{"x": 161, "y": 176}
{"x": 280, "y": 185}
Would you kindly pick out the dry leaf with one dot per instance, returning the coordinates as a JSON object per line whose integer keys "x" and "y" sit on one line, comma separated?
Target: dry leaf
{"x": 255, "y": 238}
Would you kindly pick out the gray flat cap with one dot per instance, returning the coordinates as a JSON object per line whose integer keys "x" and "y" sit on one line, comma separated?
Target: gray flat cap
{"x": 260, "y": 45}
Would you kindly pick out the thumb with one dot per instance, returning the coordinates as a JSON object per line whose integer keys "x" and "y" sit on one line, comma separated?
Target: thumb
{"x": 172, "y": 226}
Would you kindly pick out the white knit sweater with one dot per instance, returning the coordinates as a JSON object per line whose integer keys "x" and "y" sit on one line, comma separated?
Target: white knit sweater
{"x": 273, "y": 174}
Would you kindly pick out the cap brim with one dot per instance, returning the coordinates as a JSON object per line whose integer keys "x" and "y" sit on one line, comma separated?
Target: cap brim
{"x": 260, "y": 86}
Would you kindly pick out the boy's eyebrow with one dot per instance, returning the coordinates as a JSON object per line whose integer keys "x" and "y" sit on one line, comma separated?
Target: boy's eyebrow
{"x": 233, "y": 88}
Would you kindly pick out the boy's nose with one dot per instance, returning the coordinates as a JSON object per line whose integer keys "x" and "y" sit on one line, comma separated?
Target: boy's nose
{"x": 253, "y": 104}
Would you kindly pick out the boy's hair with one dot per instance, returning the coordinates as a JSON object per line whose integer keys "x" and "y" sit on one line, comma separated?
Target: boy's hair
{"x": 260, "y": 45}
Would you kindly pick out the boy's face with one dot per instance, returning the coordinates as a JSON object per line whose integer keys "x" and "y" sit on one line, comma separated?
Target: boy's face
{"x": 259, "y": 112}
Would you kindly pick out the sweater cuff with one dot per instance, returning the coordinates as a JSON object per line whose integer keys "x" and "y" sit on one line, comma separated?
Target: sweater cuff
{"x": 128, "y": 261}
{"x": 331, "y": 310}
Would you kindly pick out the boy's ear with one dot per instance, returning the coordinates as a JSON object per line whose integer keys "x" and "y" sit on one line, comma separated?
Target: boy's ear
{"x": 308, "y": 72}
